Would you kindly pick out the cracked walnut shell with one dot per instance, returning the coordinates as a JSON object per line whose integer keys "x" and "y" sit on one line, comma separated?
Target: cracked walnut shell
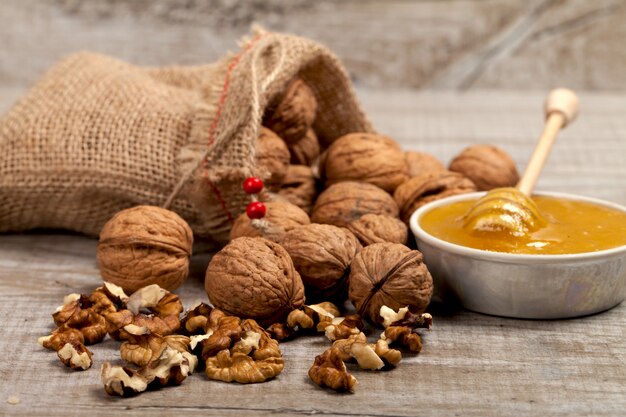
{"x": 344, "y": 202}
{"x": 418, "y": 191}
{"x": 281, "y": 217}
{"x": 272, "y": 158}
{"x": 254, "y": 278}
{"x": 377, "y": 228}
{"x": 145, "y": 245}
{"x": 389, "y": 274}
{"x": 487, "y": 166}
{"x": 366, "y": 157}
{"x": 322, "y": 253}
{"x": 295, "y": 113}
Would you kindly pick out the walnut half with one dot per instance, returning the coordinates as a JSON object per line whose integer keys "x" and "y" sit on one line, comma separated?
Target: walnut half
{"x": 245, "y": 353}
{"x": 330, "y": 371}
{"x": 171, "y": 367}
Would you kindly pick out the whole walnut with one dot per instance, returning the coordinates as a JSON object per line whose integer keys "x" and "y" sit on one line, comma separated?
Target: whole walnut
{"x": 272, "y": 156}
{"x": 367, "y": 157}
{"x": 252, "y": 277}
{"x": 378, "y": 228}
{"x": 322, "y": 254}
{"x": 418, "y": 191}
{"x": 487, "y": 166}
{"x": 306, "y": 150}
{"x": 294, "y": 114}
{"x": 342, "y": 203}
{"x": 392, "y": 275}
{"x": 145, "y": 245}
{"x": 419, "y": 163}
{"x": 281, "y": 217}
{"x": 300, "y": 187}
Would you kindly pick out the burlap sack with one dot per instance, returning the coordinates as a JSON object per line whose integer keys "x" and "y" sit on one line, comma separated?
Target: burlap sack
{"x": 96, "y": 135}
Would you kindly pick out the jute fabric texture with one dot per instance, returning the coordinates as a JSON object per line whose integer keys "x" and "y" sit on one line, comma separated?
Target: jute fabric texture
{"x": 96, "y": 135}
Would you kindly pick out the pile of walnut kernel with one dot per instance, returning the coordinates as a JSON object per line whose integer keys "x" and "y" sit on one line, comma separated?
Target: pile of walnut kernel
{"x": 163, "y": 347}
{"x": 335, "y": 230}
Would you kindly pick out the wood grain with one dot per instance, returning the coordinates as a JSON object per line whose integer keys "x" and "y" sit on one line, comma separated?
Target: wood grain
{"x": 471, "y": 364}
{"x": 443, "y": 44}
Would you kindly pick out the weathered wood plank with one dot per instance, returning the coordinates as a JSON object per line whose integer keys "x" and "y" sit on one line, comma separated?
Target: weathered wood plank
{"x": 471, "y": 364}
{"x": 442, "y": 44}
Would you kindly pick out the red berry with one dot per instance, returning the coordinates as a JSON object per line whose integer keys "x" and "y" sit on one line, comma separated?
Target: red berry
{"x": 256, "y": 210}
{"x": 253, "y": 185}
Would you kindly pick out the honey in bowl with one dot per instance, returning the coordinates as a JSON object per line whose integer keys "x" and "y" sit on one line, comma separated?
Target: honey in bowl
{"x": 571, "y": 226}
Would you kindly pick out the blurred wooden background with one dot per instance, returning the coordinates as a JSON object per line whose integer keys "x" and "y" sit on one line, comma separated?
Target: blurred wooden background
{"x": 437, "y": 75}
{"x": 438, "y": 44}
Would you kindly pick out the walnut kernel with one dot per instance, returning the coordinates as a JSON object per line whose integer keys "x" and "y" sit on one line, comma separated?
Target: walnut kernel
{"x": 240, "y": 351}
{"x": 328, "y": 370}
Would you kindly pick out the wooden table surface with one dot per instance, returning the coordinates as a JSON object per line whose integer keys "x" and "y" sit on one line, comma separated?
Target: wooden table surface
{"x": 470, "y": 365}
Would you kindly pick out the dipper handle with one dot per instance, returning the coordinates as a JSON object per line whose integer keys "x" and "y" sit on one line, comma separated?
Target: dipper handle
{"x": 561, "y": 108}
{"x": 564, "y": 101}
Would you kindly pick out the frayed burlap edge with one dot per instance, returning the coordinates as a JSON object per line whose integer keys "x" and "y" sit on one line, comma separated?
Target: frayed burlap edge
{"x": 253, "y": 78}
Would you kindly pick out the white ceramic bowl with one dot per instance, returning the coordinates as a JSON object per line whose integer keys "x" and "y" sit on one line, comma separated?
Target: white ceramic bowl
{"x": 520, "y": 285}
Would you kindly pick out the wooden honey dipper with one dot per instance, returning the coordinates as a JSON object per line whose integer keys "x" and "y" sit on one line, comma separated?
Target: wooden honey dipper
{"x": 510, "y": 210}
